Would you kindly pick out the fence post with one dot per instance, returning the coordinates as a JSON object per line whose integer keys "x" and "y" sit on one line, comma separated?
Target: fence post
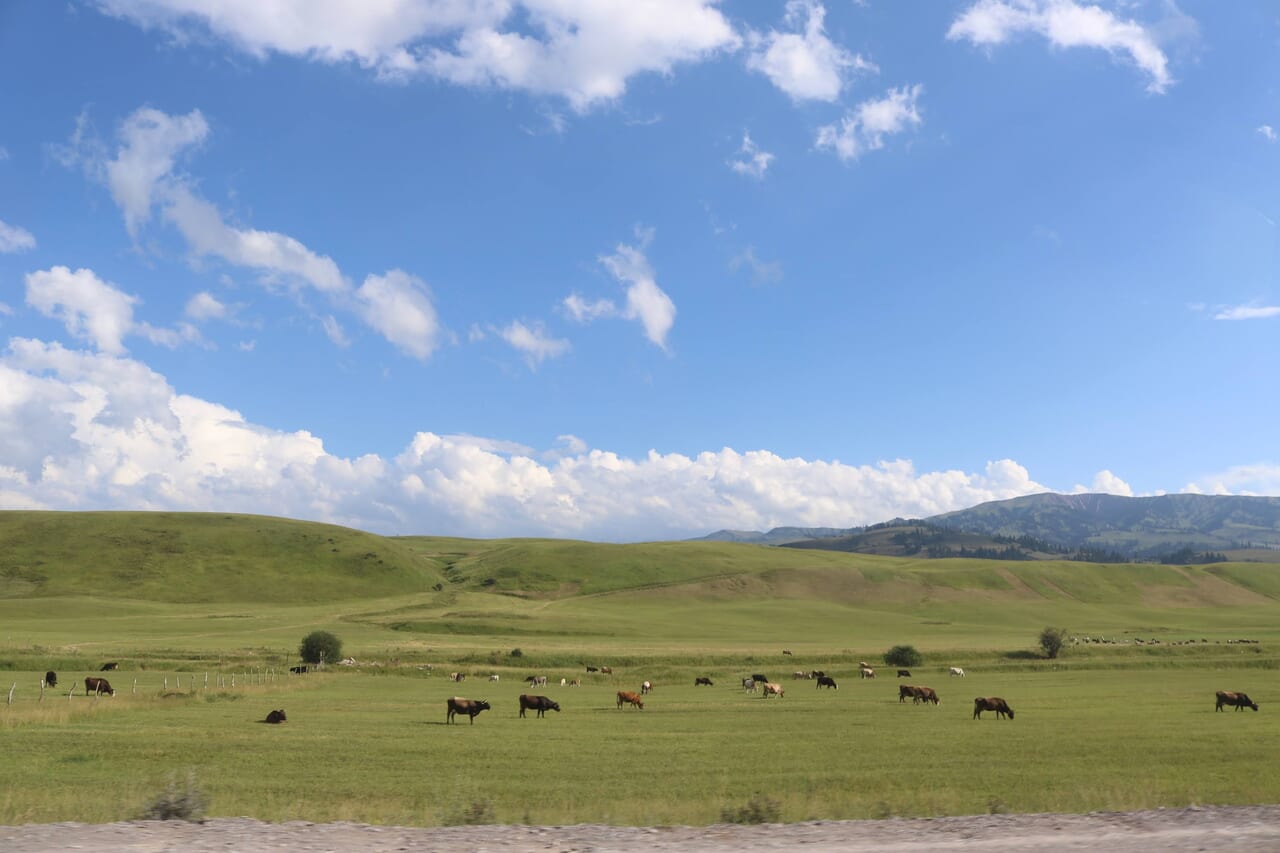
{"x": 72, "y": 690}
{"x": 135, "y": 686}
{"x": 11, "y": 689}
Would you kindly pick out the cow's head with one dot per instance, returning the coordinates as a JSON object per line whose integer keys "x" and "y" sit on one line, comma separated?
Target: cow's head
{"x": 481, "y": 705}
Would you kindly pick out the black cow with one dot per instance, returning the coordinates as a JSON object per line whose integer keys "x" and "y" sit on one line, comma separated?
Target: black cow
{"x": 904, "y": 673}
{"x": 470, "y": 707}
{"x": 297, "y": 670}
{"x": 1238, "y": 700}
{"x": 541, "y": 704}
{"x": 992, "y": 703}
{"x": 51, "y": 678}
{"x": 699, "y": 681}
{"x": 276, "y": 717}
{"x": 593, "y": 669}
{"x": 95, "y": 686}
{"x": 107, "y": 667}
{"x": 759, "y": 679}
{"x": 827, "y": 681}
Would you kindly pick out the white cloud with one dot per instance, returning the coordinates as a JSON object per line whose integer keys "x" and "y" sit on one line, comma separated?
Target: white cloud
{"x": 805, "y": 63}
{"x": 398, "y": 306}
{"x": 1248, "y": 312}
{"x": 865, "y": 127}
{"x": 585, "y": 311}
{"x": 1107, "y": 483}
{"x": 762, "y": 272}
{"x": 582, "y": 50}
{"x": 205, "y": 306}
{"x": 90, "y": 308}
{"x": 1066, "y": 24}
{"x": 15, "y": 239}
{"x": 646, "y": 302}
{"x": 334, "y": 332}
{"x": 150, "y": 142}
{"x": 533, "y": 342}
{"x": 751, "y": 160}
{"x": 96, "y": 431}
{"x": 1259, "y": 479}
{"x": 1267, "y": 132}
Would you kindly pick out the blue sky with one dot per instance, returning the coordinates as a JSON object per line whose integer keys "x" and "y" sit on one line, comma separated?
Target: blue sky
{"x": 626, "y": 271}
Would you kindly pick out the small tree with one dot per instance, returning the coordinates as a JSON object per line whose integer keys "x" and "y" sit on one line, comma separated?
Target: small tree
{"x": 903, "y": 656}
{"x": 1052, "y": 640}
{"x": 320, "y": 646}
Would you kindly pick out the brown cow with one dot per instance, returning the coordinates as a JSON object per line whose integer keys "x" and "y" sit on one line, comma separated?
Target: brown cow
{"x": 541, "y": 704}
{"x": 992, "y": 703}
{"x": 927, "y": 694}
{"x": 606, "y": 670}
{"x": 905, "y": 692}
{"x": 276, "y": 717}
{"x": 470, "y": 707}
{"x": 96, "y": 686}
{"x": 1239, "y": 700}
{"x": 626, "y": 697}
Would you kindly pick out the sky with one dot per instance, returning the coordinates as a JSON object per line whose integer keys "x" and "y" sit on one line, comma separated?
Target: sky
{"x": 634, "y": 270}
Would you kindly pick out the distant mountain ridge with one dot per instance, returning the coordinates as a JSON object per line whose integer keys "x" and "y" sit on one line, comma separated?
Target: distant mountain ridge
{"x": 1132, "y": 528}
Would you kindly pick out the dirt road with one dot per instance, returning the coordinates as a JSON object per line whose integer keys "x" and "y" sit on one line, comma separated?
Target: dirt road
{"x": 1234, "y": 828}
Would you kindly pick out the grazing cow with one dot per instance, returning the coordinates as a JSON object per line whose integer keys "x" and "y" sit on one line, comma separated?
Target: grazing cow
{"x": 276, "y": 717}
{"x": 955, "y": 670}
{"x": 539, "y": 681}
{"x": 51, "y": 678}
{"x": 707, "y": 681}
{"x": 771, "y": 689}
{"x": 927, "y": 694}
{"x": 470, "y": 707}
{"x": 541, "y": 704}
{"x": 493, "y": 677}
{"x": 827, "y": 681}
{"x": 457, "y": 676}
{"x": 817, "y": 673}
{"x": 749, "y": 685}
{"x": 107, "y": 667}
{"x": 905, "y": 692}
{"x": 1239, "y": 700}
{"x": 758, "y": 677}
{"x": 646, "y": 688}
{"x": 867, "y": 672}
{"x": 799, "y": 674}
{"x": 786, "y": 651}
{"x": 593, "y": 669}
{"x": 627, "y": 698}
{"x": 577, "y": 682}
{"x": 298, "y": 670}
{"x": 904, "y": 673}
{"x": 96, "y": 686}
{"x": 993, "y": 703}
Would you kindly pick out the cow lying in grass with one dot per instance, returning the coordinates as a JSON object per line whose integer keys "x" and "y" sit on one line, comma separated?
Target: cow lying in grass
{"x": 276, "y": 717}
{"x": 992, "y": 703}
{"x": 1237, "y": 700}
{"x": 470, "y": 707}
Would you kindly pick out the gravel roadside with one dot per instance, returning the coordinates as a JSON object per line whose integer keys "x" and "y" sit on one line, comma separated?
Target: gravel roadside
{"x": 1226, "y": 828}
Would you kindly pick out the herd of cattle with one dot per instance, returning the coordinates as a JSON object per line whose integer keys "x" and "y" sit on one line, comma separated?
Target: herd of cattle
{"x": 918, "y": 694}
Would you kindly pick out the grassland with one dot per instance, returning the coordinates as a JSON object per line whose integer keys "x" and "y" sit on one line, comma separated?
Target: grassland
{"x": 1105, "y": 727}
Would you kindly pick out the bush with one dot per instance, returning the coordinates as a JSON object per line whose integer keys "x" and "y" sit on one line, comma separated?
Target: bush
{"x": 903, "y": 656}
{"x": 478, "y": 813}
{"x": 516, "y": 653}
{"x": 178, "y": 801}
{"x": 760, "y": 809}
{"x": 1052, "y": 640}
{"x": 320, "y": 646}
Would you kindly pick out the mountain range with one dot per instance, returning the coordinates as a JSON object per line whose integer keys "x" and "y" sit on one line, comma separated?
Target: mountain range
{"x": 1057, "y": 526}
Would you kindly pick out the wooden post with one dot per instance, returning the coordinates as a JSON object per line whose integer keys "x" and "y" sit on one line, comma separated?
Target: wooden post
{"x": 42, "y": 690}
{"x": 135, "y": 685}
{"x": 11, "y": 689}
{"x": 166, "y": 684}
{"x": 72, "y": 690}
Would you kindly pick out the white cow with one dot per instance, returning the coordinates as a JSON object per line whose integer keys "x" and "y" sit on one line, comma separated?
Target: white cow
{"x": 563, "y": 682}
{"x": 493, "y": 677}
{"x": 771, "y": 689}
{"x": 868, "y": 672}
{"x": 645, "y": 688}
{"x": 749, "y": 685}
{"x": 955, "y": 670}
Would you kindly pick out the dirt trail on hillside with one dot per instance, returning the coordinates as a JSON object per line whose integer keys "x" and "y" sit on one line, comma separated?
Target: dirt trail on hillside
{"x": 1230, "y": 828}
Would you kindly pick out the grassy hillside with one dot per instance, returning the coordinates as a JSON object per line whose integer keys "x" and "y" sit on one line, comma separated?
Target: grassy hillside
{"x": 201, "y": 557}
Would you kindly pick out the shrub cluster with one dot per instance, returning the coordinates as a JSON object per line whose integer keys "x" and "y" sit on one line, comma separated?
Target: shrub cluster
{"x": 903, "y": 656}
{"x": 320, "y": 646}
{"x": 759, "y": 809}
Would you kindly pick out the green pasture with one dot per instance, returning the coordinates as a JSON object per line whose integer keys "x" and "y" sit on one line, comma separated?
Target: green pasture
{"x": 173, "y": 597}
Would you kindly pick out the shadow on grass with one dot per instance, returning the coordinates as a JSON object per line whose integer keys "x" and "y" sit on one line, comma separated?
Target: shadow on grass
{"x": 1023, "y": 654}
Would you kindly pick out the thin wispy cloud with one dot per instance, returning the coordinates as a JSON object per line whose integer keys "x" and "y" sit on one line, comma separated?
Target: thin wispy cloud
{"x": 1267, "y": 132}
{"x": 15, "y": 239}
{"x": 750, "y": 159}
{"x": 866, "y": 126}
{"x": 1248, "y": 312}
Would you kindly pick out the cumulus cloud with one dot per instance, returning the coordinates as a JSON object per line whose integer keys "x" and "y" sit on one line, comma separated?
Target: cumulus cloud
{"x": 1259, "y": 479}
{"x": 1107, "y": 483}
{"x": 1248, "y": 312}
{"x": 803, "y": 61}
{"x": 90, "y": 308}
{"x": 1267, "y": 132}
{"x": 95, "y": 430}
{"x": 751, "y": 161}
{"x": 865, "y": 127}
{"x": 15, "y": 239}
{"x": 582, "y": 50}
{"x": 398, "y": 306}
{"x": 533, "y": 341}
{"x": 205, "y": 306}
{"x": 1065, "y": 24}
